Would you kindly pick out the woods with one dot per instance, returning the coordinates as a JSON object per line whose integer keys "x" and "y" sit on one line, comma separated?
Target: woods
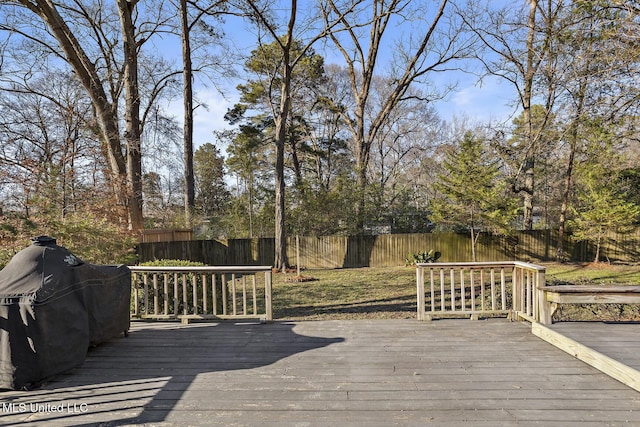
{"x": 339, "y": 122}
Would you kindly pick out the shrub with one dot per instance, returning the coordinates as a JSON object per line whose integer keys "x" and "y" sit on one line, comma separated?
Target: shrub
{"x": 93, "y": 239}
{"x": 422, "y": 257}
{"x": 172, "y": 263}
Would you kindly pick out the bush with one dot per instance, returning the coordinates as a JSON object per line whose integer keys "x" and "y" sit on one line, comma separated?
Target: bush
{"x": 422, "y": 257}
{"x": 93, "y": 239}
{"x": 172, "y": 263}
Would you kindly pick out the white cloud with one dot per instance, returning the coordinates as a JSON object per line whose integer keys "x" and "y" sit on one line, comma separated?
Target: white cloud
{"x": 488, "y": 101}
{"x": 210, "y": 117}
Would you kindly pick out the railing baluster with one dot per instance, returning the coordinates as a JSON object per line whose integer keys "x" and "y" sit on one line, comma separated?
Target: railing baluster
{"x": 155, "y": 293}
{"x": 482, "y": 290}
{"x": 267, "y": 294}
{"x": 255, "y": 295}
{"x": 452, "y": 273}
{"x": 473, "y": 289}
{"x": 185, "y": 299}
{"x": 194, "y": 293}
{"x": 523, "y": 290}
{"x": 214, "y": 294}
{"x": 224, "y": 294}
{"x": 233, "y": 294}
{"x": 165, "y": 294}
{"x": 244, "y": 294}
{"x": 529, "y": 292}
{"x": 493, "y": 289}
{"x": 442, "y": 298}
{"x": 421, "y": 309}
{"x": 146, "y": 294}
{"x": 205, "y": 308}
{"x": 433, "y": 291}
{"x": 136, "y": 309}
{"x": 463, "y": 291}
{"x": 503, "y": 289}
{"x": 175, "y": 294}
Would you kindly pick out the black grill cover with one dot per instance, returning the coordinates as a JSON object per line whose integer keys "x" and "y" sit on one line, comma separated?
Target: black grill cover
{"x": 53, "y": 307}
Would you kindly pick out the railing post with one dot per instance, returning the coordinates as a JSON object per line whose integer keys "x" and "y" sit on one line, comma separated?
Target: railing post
{"x": 420, "y": 291}
{"x": 544, "y": 306}
{"x": 136, "y": 309}
{"x": 517, "y": 304}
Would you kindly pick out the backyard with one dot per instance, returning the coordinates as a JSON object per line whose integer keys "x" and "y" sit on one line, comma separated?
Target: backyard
{"x": 388, "y": 293}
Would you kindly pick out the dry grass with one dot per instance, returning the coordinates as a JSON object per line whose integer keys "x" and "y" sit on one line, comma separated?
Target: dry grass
{"x": 389, "y": 293}
{"x": 362, "y": 293}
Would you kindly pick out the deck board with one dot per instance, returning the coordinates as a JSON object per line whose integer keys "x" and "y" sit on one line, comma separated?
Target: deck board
{"x": 355, "y": 373}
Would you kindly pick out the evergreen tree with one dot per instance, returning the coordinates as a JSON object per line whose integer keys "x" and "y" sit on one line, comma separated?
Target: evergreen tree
{"x": 212, "y": 195}
{"x": 603, "y": 205}
{"x": 471, "y": 193}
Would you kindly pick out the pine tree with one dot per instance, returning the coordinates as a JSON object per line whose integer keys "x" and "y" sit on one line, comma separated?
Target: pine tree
{"x": 602, "y": 205}
{"x": 471, "y": 194}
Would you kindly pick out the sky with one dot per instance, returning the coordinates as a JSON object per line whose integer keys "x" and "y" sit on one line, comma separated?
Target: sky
{"x": 489, "y": 101}
{"x": 483, "y": 103}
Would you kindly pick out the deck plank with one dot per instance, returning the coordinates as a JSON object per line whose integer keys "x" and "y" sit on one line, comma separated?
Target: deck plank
{"x": 355, "y": 373}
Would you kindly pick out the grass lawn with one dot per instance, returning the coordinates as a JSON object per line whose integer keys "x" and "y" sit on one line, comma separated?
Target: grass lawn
{"x": 390, "y": 293}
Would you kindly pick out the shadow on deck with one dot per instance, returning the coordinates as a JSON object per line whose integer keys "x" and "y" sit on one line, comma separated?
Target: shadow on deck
{"x": 364, "y": 372}
{"x": 144, "y": 376}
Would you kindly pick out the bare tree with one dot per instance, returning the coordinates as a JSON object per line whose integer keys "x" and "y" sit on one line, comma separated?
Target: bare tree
{"x": 48, "y": 158}
{"x": 105, "y": 61}
{"x": 192, "y": 15}
{"x": 517, "y": 42}
{"x": 291, "y": 54}
{"x": 434, "y": 42}
{"x": 124, "y": 161}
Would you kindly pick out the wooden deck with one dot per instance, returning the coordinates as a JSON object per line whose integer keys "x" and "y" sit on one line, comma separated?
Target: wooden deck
{"x": 328, "y": 373}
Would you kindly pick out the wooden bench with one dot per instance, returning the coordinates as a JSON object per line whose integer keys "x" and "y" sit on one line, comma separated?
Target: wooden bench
{"x": 551, "y": 296}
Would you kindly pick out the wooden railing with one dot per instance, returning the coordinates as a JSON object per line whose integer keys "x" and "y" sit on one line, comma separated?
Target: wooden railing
{"x": 188, "y": 293}
{"x": 473, "y": 289}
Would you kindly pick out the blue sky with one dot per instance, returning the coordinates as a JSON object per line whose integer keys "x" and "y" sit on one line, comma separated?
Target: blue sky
{"x": 489, "y": 101}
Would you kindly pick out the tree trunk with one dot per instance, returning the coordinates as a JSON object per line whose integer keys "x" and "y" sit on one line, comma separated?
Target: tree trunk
{"x": 529, "y": 162}
{"x": 132, "y": 117}
{"x": 568, "y": 175}
{"x": 566, "y": 191}
{"x": 362, "y": 154}
{"x": 474, "y": 257}
{"x": 598, "y": 246}
{"x": 189, "y": 177}
{"x": 281, "y": 262}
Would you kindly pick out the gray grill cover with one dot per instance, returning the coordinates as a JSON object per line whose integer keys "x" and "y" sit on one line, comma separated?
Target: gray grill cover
{"x": 53, "y": 307}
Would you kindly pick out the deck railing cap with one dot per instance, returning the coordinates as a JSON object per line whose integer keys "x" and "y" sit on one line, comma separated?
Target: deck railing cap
{"x": 482, "y": 264}
{"x": 205, "y": 269}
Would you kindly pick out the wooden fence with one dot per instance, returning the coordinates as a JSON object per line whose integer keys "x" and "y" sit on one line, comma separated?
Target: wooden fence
{"x": 391, "y": 249}
{"x": 166, "y": 235}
